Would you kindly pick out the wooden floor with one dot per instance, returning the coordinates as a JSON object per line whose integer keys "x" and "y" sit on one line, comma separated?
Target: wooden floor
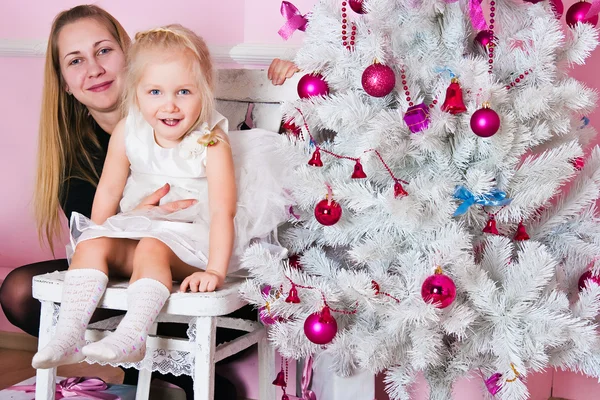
{"x": 15, "y": 367}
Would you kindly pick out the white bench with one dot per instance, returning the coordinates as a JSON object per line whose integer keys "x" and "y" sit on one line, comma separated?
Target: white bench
{"x": 203, "y": 311}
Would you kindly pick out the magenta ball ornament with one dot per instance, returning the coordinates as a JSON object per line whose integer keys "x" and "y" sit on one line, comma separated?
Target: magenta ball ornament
{"x": 587, "y": 276}
{"x": 485, "y": 122}
{"x": 558, "y": 7}
{"x": 578, "y": 12}
{"x": 438, "y": 289}
{"x": 378, "y": 80}
{"x": 357, "y": 6}
{"x": 312, "y": 85}
{"x": 320, "y": 327}
{"x": 484, "y": 38}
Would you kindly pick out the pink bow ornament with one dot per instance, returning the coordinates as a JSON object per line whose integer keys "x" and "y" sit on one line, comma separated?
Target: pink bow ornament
{"x": 294, "y": 20}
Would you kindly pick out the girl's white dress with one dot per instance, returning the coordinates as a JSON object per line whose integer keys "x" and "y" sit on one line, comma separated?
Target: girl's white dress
{"x": 260, "y": 176}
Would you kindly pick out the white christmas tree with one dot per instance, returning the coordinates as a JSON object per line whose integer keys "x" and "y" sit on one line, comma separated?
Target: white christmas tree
{"x": 445, "y": 210}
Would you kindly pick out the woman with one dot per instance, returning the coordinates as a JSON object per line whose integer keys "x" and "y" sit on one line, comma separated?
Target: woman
{"x": 83, "y": 80}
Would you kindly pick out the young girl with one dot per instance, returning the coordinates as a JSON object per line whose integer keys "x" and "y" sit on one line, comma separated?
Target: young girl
{"x": 171, "y": 136}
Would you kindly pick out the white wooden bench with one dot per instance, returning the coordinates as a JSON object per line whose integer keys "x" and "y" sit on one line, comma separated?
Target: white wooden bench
{"x": 204, "y": 312}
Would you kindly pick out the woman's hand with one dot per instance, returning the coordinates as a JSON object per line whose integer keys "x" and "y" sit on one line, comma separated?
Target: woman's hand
{"x": 280, "y": 70}
{"x": 202, "y": 281}
{"x": 153, "y": 200}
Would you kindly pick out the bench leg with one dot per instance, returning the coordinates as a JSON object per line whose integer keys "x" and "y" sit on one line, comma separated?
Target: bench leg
{"x": 45, "y": 386}
{"x": 266, "y": 369}
{"x": 145, "y": 376}
{"x": 204, "y": 368}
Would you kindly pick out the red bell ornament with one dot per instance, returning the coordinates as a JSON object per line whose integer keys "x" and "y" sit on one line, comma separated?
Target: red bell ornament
{"x": 399, "y": 190}
{"x": 490, "y": 227}
{"x": 358, "y": 173}
{"x": 315, "y": 160}
{"x": 521, "y": 233}
{"x": 280, "y": 379}
{"x": 454, "y": 103}
{"x": 293, "y": 296}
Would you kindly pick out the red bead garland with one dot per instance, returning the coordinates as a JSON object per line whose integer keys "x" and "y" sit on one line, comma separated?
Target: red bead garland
{"x": 519, "y": 78}
{"x": 348, "y": 45}
{"x": 492, "y": 44}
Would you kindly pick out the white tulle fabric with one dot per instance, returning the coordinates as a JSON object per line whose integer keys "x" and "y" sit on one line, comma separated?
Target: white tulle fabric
{"x": 260, "y": 177}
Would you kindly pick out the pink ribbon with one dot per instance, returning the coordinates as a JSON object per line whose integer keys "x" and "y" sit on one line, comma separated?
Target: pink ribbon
{"x": 294, "y": 20}
{"x": 476, "y": 14}
{"x": 305, "y": 382}
{"x": 87, "y": 387}
{"x": 594, "y": 9}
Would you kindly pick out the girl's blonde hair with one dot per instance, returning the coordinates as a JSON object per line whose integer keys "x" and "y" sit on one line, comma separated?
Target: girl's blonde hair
{"x": 65, "y": 127}
{"x": 174, "y": 39}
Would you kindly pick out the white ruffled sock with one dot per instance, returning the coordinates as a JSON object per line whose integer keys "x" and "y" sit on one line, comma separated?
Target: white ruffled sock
{"x": 145, "y": 298}
{"x": 82, "y": 290}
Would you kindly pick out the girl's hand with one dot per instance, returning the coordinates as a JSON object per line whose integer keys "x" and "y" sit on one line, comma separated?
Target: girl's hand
{"x": 153, "y": 200}
{"x": 280, "y": 70}
{"x": 202, "y": 281}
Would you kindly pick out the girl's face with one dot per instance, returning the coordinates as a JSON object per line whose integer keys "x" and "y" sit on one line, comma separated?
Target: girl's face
{"x": 92, "y": 64}
{"x": 169, "y": 97}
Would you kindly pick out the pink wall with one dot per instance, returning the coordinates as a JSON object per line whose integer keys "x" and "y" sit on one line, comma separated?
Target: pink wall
{"x": 221, "y": 23}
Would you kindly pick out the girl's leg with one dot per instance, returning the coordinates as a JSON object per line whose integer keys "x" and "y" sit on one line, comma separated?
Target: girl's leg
{"x": 149, "y": 289}
{"x": 82, "y": 289}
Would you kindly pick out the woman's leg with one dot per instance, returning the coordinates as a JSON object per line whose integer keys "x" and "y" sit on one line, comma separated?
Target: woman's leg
{"x": 18, "y": 304}
{"x": 84, "y": 285}
{"x": 149, "y": 289}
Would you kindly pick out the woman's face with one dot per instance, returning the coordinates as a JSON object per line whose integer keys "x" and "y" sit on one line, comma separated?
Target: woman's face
{"x": 92, "y": 64}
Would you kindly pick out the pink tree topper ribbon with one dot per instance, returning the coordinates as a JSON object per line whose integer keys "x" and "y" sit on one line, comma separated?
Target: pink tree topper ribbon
{"x": 305, "y": 382}
{"x": 594, "y": 9}
{"x": 294, "y": 20}
{"x": 476, "y": 14}
{"x": 76, "y": 386}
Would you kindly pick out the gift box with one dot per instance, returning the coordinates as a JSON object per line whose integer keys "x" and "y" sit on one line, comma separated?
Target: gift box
{"x": 26, "y": 391}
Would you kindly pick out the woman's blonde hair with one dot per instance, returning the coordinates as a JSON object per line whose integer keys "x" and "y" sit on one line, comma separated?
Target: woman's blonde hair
{"x": 174, "y": 39}
{"x": 65, "y": 127}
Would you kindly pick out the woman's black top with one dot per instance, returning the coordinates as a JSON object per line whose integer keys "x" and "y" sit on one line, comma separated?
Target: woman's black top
{"x": 78, "y": 194}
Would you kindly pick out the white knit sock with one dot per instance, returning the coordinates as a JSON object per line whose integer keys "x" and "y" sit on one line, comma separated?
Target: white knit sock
{"x": 82, "y": 290}
{"x": 145, "y": 298}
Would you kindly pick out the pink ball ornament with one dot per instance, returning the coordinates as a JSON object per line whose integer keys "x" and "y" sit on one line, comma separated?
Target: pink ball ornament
{"x": 357, "y": 6}
{"x": 378, "y": 80}
{"x": 587, "y": 276}
{"x": 578, "y": 12}
{"x": 438, "y": 289}
{"x": 312, "y": 85}
{"x": 485, "y": 122}
{"x": 320, "y": 327}
{"x": 558, "y": 7}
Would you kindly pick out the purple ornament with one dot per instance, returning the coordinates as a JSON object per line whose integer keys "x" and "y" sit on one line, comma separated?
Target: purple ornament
{"x": 491, "y": 383}
{"x": 438, "y": 289}
{"x": 578, "y": 13}
{"x": 357, "y": 6}
{"x": 484, "y": 38}
{"x": 485, "y": 122}
{"x": 312, "y": 85}
{"x": 417, "y": 118}
{"x": 320, "y": 327}
{"x": 378, "y": 80}
{"x": 557, "y": 7}
{"x": 587, "y": 276}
